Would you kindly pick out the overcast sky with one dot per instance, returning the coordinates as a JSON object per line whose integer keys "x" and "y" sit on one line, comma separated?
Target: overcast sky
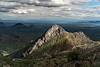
{"x": 30, "y": 9}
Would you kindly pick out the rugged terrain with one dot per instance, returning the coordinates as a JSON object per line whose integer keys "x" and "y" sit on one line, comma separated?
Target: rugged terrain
{"x": 57, "y": 48}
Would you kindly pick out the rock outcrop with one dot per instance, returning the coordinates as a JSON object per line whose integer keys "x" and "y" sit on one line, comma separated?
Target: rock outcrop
{"x": 75, "y": 39}
{"x": 54, "y": 31}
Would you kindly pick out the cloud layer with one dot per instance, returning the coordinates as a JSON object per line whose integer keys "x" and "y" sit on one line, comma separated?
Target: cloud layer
{"x": 48, "y": 8}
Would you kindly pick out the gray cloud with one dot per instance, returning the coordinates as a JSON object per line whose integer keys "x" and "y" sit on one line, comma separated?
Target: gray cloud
{"x": 47, "y": 2}
{"x": 68, "y": 8}
{"x": 6, "y": 6}
{"x": 4, "y": 10}
{"x": 58, "y": 2}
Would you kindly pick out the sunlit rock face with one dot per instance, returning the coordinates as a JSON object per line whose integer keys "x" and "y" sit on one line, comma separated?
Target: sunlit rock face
{"x": 75, "y": 39}
{"x": 68, "y": 39}
{"x": 54, "y": 31}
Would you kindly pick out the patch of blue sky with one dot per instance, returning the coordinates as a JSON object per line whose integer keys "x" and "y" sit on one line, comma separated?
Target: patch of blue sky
{"x": 92, "y": 3}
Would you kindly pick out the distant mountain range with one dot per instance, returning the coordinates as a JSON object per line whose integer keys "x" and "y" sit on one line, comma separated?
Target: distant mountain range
{"x": 2, "y": 24}
{"x": 18, "y": 33}
{"x": 19, "y": 25}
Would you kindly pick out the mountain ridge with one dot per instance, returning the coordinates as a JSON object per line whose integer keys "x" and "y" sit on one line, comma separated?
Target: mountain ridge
{"x": 55, "y": 30}
{"x": 72, "y": 39}
{"x": 57, "y": 48}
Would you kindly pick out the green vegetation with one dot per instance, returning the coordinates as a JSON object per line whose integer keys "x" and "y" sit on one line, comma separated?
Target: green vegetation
{"x": 57, "y": 52}
{"x": 52, "y": 55}
{"x": 54, "y": 46}
{"x": 67, "y": 59}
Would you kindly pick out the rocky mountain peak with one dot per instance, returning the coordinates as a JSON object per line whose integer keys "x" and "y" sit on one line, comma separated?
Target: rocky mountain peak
{"x": 57, "y": 34}
{"x": 75, "y": 39}
{"x": 55, "y": 30}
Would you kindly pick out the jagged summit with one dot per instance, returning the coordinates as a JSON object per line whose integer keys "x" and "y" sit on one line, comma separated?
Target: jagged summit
{"x": 54, "y": 31}
{"x": 75, "y": 39}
